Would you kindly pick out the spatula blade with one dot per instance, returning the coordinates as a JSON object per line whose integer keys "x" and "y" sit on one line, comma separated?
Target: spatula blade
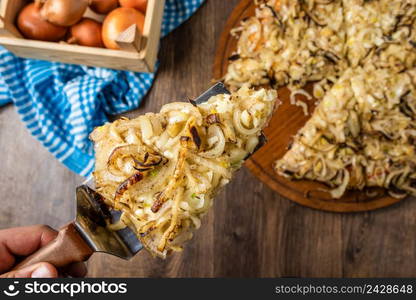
{"x": 93, "y": 216}
{"x": 216, "y": 89}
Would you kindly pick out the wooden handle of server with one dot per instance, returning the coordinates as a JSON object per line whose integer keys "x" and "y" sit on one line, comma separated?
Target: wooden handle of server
{"x": 67, "y": 248}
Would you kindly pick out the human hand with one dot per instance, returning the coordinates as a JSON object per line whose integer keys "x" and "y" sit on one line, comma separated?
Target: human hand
{"x": 23, "y": 241}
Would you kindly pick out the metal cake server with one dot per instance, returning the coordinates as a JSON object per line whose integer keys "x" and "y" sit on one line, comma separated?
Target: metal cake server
{"x": 89, "y": 233}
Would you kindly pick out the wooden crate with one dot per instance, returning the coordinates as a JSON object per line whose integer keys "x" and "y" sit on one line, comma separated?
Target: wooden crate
{"x": 130, "y": 59}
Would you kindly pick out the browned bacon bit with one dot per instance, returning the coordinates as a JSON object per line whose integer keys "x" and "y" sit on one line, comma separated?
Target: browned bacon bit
{"x": 159, "y": 200}
{"x": 195, "y": 136}
{"x": 234, "y": 57}
{"x": 154, "y": 160}
{"x": 125, "y": 185}
{"x": 213, "y": 118}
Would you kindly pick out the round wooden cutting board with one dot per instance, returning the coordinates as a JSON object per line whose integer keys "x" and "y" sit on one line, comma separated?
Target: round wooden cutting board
{"x": 287, "y": 120}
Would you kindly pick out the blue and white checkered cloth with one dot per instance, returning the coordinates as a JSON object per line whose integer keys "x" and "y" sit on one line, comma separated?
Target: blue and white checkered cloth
{"x": 61, "y": 104}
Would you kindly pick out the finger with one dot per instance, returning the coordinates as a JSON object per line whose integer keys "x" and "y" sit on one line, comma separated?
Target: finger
{"x": 76, "y": 270}
{"x": 39, "y": 270}
{"x": 22, "y": 241}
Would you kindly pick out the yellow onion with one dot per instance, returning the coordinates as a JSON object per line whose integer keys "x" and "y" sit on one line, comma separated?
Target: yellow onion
{"x": 117, "y": 22}
{"x": 86, "y": 33}
{"x": 64, "y": 12}
{"x": 33, "y": 26}
{"x": 103, "y": 6}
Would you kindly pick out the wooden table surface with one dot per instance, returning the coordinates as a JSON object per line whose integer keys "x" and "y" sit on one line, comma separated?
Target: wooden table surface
{"x": 250, "y": 232}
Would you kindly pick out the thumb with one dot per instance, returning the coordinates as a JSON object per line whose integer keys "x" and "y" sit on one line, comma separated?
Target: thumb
{"x": 39, "y": 270}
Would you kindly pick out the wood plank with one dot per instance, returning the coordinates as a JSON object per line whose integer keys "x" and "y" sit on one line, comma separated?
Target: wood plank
{"x": 34, "y": 187}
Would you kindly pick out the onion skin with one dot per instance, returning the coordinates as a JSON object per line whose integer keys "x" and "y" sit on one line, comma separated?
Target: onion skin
{"x": 137, "y": 4}
{"x": 64, "y": 12}
{"x": 117, "y": 22}
{"x": 33, "y": 26}
{"x": 87, "y": 33}
{"x": 103, "y": 7}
